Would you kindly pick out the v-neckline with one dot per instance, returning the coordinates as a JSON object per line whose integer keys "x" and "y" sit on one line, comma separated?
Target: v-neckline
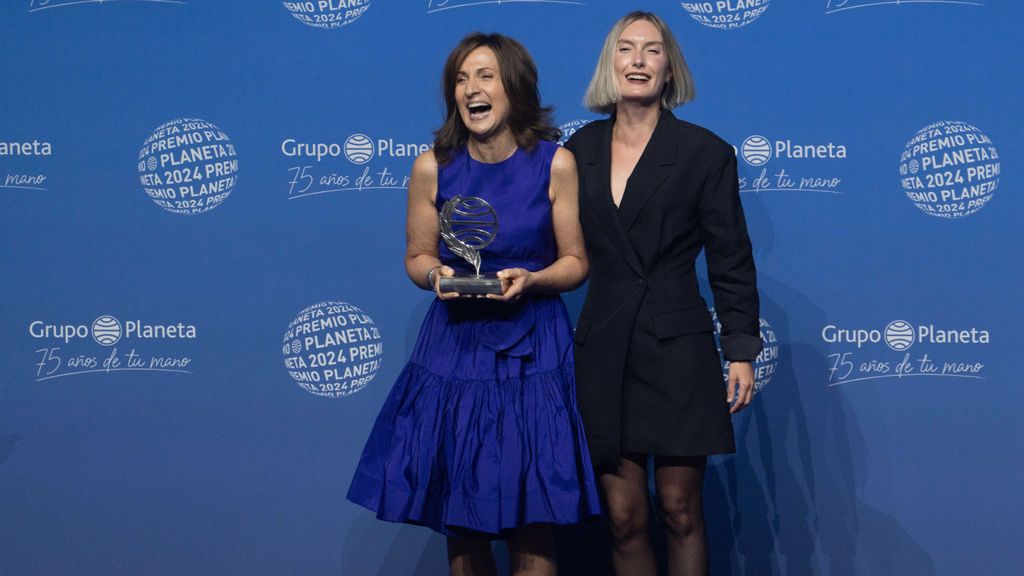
{"x": 632, "y": 171}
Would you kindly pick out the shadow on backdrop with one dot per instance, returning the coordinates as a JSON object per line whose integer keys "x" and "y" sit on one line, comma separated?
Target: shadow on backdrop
{"x": 788, "y": 502}
{"x": 7, "y": 446}
{"x": 376, "y": 548}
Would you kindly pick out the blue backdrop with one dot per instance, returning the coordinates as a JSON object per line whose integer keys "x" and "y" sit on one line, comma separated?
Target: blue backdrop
{"x": 204, "y": 303}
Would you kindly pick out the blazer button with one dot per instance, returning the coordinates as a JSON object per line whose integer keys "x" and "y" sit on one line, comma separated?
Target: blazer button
{"x": 641, "y": 282}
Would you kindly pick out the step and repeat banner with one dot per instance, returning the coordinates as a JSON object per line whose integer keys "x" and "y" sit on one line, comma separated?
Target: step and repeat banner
{"x": 204, "y": 301}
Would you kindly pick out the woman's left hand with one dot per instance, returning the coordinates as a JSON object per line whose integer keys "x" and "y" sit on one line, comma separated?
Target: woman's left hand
{"x": 515, "y": 282}
{"x": 741, "y": 385}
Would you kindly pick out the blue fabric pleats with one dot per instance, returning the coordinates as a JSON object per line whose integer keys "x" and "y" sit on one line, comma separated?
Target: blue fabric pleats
{"x": 481, "y": 431}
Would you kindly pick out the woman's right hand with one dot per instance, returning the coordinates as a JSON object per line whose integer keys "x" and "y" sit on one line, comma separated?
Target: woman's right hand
{"x": 444, "y": 272}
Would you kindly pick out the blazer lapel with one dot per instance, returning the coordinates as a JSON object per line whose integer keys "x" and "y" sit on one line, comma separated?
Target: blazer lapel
{"x": 651, "y": 170}
{"x": 599, "y": 192}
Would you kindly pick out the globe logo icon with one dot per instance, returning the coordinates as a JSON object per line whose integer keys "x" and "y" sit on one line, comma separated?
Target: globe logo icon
{"x": 358, "y": 149}
{"x": 332, "y": 349}
{"x": 756, "y": 150}
{"x": 190, "y": 167}
{"x": 106, "y": 330}
{"x": 950, "y": 169}
{"x": 899, "y": 335}
{"x": 471, "y": 220}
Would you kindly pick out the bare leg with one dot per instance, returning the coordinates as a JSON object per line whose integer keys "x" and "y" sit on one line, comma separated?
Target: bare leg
{"x": 680, "y": 483}
{"x": 533, "y": 552}
{"x": 626, "y": 505}
{"x": 468, "y": 557}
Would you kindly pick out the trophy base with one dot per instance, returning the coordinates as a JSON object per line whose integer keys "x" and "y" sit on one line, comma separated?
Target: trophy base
{"x": 471, "y": 285}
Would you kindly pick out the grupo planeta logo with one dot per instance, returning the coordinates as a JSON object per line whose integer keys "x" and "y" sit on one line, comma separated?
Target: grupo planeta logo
{"x": 360, "y": 162}
{"x": 766, "y": 362}
{"x": 37, "y": 5}
{"x": 70, "y": 348}
{"x": 332, "y": 349}
{"x": 950, "y": 169}
{"x": 188, "y": 166}
{"x": 23, "y": 162}
{"x": 726, "y": 14}
{"x": 833, "y": 6}
{"x": 791, "y": 165}
{"x": 328, "y": 14}
{"x": 902, "y": 349}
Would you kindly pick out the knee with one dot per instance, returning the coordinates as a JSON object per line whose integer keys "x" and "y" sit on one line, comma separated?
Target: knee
{"x": 628, "y": 522}
{"x": 682, "y": 516}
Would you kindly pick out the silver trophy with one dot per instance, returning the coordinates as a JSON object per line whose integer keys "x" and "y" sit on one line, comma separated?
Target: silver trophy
{"x": 468, "y": 225}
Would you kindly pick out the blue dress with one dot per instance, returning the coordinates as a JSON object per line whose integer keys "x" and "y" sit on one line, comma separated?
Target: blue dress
{"x": 481, "y": 433}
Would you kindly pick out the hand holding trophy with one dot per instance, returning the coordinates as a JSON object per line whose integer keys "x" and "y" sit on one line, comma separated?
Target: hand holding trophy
{"x": 468, "y": 225}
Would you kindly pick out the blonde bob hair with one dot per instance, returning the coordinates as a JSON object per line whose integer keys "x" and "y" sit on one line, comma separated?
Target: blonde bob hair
{"x": 603, "y": 91}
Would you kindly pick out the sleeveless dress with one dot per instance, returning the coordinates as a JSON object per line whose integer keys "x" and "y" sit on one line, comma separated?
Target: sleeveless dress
{"x": 480, "y": 434}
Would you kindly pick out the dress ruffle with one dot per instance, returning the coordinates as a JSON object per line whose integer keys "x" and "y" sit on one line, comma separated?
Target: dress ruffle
{"x": 495, "y": 444}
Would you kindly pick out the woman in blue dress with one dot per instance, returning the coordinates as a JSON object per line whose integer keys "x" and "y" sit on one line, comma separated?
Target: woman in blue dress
{"x": 480, "y": 438}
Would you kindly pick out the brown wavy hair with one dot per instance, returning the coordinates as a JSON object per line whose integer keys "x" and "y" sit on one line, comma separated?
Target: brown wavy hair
{"x": 528, "y": 120}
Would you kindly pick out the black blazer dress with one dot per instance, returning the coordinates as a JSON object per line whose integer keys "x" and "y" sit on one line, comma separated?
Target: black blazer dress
{"x": 649, "y": 377}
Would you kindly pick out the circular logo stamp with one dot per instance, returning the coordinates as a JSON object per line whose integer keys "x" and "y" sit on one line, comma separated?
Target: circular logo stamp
{"x": 949, "y": 169}
{"x": 766, "y": 362}
{"x": 899, "y": 335}
{"x": 188, "y": 166}
{"x": 570, "y": 128}
{"x": 332, "y": 349}
{"x": 724, "y": 15}
{"x": 106, "y": 330}
{"x": 358, "y": 149}
{"x": 756, "y": 150}
{"x": 328, "y": 14}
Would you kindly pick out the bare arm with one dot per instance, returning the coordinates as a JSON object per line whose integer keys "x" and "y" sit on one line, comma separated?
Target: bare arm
{"x": 570, "y": 268}
{"x": 421, "y": 228}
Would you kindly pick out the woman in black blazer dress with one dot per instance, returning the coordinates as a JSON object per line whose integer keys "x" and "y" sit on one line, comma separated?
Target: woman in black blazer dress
{"x": 654, "y": 192}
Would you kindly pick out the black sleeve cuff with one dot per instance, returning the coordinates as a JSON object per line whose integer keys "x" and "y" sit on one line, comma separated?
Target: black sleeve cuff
{"x": 741, "y": 347}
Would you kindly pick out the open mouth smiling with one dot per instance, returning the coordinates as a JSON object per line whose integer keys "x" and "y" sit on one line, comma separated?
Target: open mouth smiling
{"x": 478, "y": 109}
